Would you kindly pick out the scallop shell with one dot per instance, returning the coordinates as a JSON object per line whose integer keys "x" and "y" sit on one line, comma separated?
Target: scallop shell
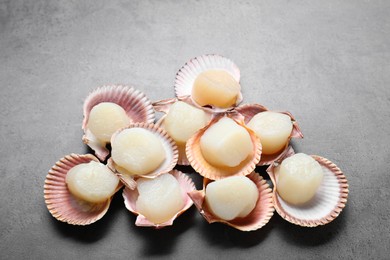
{"x": 249, "y": 111}
{"x": 169, "y": 147}
{"x": 130, "y": 197}
{"x": 61, "y": 203}
{"x": 259, "y": 216}
{"x": 164, "y": 106}
{"x": 186, "y": 76}
{"x": 207, "y": 170}
{"x": 327, "y": 204}
{"x": 137, "y": 106}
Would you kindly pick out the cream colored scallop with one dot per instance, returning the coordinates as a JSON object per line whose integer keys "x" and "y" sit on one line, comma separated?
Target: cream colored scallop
{"x": 299, "y": 177}
{"x": 138, "y": 151}
{"x": 183, "y": 120}
{"x": 217, "y": 88}
{"x": 273, "y": 129}
{"x": 159, "y": 199}
{"x": 231, "y": 197}
{"x": 92, "y": 182}
{"x": 105, "y": 118}
{"x": 226, "y": 143}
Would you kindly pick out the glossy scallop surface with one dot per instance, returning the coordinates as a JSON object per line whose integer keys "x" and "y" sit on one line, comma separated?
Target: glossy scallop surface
{"x": 59, "y": 200}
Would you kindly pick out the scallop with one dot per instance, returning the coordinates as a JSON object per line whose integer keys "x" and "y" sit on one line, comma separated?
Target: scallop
{"x": 68, "y": 206}
{"x": 141, "y": 150}
{"x": 256, "y": 218}
{"x": 231, "y": 197}
{"x": 225, "y": 147}
{"x": 159, "y": 199}
{"x": 211, "y": 81}
{"x": 109, "y": 108}
{"x": 92, "y": 182}
{"x": 181, "y": 121}
{"x": 325, "y": 205}
{"x": 275, "y": 130}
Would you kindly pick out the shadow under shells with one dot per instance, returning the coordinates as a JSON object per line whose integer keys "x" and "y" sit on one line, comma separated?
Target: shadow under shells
{"x": 164, "y": 241}
{"x": 224, "y": 236}
{"x": 93, "y": 232}
{"x": 309, "y": 237}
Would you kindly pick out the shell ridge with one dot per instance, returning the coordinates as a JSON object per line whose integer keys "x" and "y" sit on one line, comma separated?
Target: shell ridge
{"x": 259, "y": 216}
{"x": 250, "y": 110}
{"x": 135, "y": 103}
{"x": 60, "y": 201}
{"x": 169, "y": 145}
{"x": 209, "y": 171}
{"x": 187, "y": 74}
{"x": 334, "y": 208}
{"x": 186, "y": 186}
{"x": 164, "y": 105}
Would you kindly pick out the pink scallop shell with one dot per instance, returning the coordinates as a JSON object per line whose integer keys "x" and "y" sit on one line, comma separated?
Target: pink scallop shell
{"x": 130, "y": 197}
{"x": 61, "y": 203}
{"x": 164, "y": 106}
{"x": 137, "y": 106}
{"x": 260, "y": 216}
{"x": 327, "y": 204}
{"x": 170, "y": 148}
{"x": 186, "y": 76}
{"x": 249, "y": 111}
{"x": 207, "y": 170}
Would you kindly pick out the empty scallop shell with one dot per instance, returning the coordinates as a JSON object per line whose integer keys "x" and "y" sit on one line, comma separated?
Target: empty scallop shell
{"x": 61, "y": 203}
{"x": 164, "y": 106}
{"x": 169, "y": 146}
{"x": 130, "y": 197}
{"x": 137, "y": 106}
{"x": 186, "y": 76}
{"x": 207, "y": 170}
{"x": 259, "y": 216}
{"x": 250, "y": 110}
{"x": 327, "y": 204}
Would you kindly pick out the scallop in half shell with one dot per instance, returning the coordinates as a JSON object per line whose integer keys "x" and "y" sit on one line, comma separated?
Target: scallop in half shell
{"x": 250, "y": 110}
{"x": 189, "y": 119}
{"x": 62, "y": 204}
{"x": 256, "y": 219}
{"x": 327, "y": 203}
{"x": 168, "y": 147}
{"x": 213, "y": 171}
{"x": 186, "y": 76}
{"x": 136, "y": 105}
{"x": 131, "y": 195}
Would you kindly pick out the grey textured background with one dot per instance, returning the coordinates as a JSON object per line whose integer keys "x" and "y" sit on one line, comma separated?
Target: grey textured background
{"x": 327, "y": 62}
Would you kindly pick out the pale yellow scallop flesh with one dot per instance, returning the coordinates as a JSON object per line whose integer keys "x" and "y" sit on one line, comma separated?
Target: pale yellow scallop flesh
{"x": 160, "y": 199}
{"x": 273, "y": 129}
{"x": 92, "y": 182}
{"x": 137, "y": 151}
{"x": 183, "y": 120}
{"x": 231, "y": 197}
{"x": 226, "y": 143}
{"x": 105, "y": 118}
{"x": 217, "y": 88}
{"x": 298, "y": 178}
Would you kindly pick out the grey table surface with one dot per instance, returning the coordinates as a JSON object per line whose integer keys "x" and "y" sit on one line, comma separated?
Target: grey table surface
{"x": 327, "y": 62}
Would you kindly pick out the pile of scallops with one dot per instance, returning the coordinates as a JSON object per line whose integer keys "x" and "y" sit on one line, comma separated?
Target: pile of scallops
{"x": 204, "y": 126}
